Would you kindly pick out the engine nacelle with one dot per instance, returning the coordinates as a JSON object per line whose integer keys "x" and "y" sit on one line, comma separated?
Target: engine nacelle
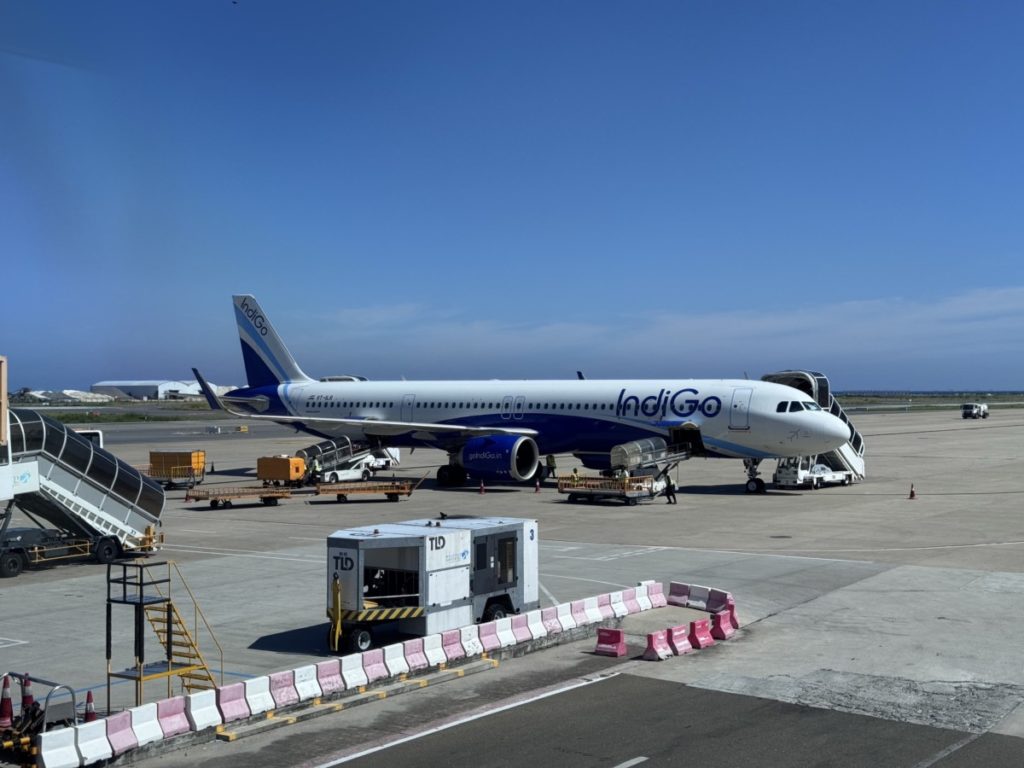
{"x": 502, "y": 457}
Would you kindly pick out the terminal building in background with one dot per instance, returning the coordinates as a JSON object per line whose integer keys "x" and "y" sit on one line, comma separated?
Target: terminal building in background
{"x": 152, "y": 390}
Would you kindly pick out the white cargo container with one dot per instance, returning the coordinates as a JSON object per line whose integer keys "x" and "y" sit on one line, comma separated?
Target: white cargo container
{"x": 426, "y": 576}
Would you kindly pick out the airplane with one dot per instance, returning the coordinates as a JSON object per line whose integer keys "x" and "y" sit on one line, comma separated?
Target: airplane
{"x": 497, "y": 430}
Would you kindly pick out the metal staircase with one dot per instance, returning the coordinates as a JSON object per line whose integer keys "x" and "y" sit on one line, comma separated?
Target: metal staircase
{"x": 186, "y": 658}
{"x": 849, "y": 456}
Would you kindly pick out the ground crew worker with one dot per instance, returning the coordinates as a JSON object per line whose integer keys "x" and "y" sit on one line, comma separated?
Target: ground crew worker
{"x": 316, "y": 469}
{"x": 575, "y": 476}
{"x": 670, "y": 490}
{"x": 551, "y": 465}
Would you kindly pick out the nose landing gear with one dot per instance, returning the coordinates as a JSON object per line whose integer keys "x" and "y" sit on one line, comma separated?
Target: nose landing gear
{"x": 754, "y": 483}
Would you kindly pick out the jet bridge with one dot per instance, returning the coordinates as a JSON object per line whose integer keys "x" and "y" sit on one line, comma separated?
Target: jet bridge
{"x": 847, "y": 457}
{"x": 53, "y": 474}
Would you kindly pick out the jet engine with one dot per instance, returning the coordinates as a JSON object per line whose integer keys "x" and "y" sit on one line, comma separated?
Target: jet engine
{"x": 502, "y": 457}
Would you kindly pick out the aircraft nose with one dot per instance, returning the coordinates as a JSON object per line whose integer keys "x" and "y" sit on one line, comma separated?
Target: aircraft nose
{"x": 835, "y": 431}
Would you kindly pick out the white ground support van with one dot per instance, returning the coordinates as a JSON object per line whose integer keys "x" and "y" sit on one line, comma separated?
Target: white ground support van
{"x": 806, "y": 472}
{"x": 363, "y": 466}
{"x": 426, "y": 576}
{"x": 974, "y": 411}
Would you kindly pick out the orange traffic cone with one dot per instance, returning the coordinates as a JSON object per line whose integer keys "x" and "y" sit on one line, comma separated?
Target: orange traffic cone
{"x": 913, "y": 495}
{"x": 90, "y": 708}
{"x": 6, "y": 707}
{"x": 27, "y": 699}
{"x": 482, "y": 491}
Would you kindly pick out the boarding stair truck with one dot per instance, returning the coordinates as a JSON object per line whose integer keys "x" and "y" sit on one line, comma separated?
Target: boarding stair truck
{"x": 808, "y": 472}
{"x": 83, "y": 501}
{"x": 848, "y": 457}
{"x": 421, "y": 577}
{"x": 974, "y": 411}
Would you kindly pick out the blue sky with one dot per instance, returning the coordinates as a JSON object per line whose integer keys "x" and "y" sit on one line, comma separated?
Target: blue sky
{"x": 511, "y": 190}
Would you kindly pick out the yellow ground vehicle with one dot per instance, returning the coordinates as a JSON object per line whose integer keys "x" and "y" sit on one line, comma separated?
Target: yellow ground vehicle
{"x": 281, "y": 470}
{"x": 174, "y": 468}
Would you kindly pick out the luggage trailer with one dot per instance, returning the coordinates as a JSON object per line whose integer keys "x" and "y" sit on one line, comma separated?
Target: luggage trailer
{"x": 426, "y": 576}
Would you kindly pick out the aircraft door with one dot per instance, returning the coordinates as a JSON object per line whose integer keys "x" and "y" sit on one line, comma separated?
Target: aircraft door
{"x": 506, "y": 407}
{"x": 739, "y": 413}
{"x": 408, "y": 407}
{"x": 520, "y": 404}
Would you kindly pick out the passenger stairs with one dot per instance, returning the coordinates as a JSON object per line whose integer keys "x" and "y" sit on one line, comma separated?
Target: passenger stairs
{"x": 847, "y": 457}
{"x": 66, "y": 480}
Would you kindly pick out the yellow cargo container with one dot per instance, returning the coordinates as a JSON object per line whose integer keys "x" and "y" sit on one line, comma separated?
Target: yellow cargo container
{"x": 280, "y": 469}
{"x": 177, "y": 467}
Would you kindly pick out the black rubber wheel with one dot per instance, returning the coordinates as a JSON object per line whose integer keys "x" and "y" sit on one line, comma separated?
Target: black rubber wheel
{"x": 332, "y": 478}
{"x": 494, "y": 611}
{"x": 366, "y": 475}
{"x": 342, "y": 497}
{"x": 11, "y": 564}
{"x": 360, "y": 640}
{"x": 214, "y": 503}
{"x": 630, "y": 502}
{"x": 760, "y": 486}
{"x": 106, "y": 551}
{"x": 392, "y": 497}
{"x": 752, "y": 486}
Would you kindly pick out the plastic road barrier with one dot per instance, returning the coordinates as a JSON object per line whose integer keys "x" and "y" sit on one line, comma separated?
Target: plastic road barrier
{"x": 579, "y": 613}
{"x": 489, "y": 636}
{"x": 257, "y": 695}
{"x": 657, "y": 646}
{"x": 593, "y": 612}
{"x": 282, "y": 689}
{"x": 549, "y": 618}
{"x": 373, "y": 665}
{"x": 352, "y": 671}
{"x": 535, "y": 621}
{"x": 678, "y": 593}
{"x": 170, "y": 714}
{"x": 678, "y": 639}
{"x": 521, "y": 628}
{"x": 565, "y": 619}
{"x": 698, "y": 597}
{"x": 700, "y": 634}
{"x": 471, "y": 641}
{"x": 656, "y": 591}
{"x": 394, "y": 659}
{"x": 414, "y": 654}
{"x": 604, "y": 605}
{"x": 231, "y": 702}
{"x": 57, "y": 749}
{"x": 618, "y": 605}
{"x": 120, "y": 733}
{"x": 610, "y": 642}
{"x": 721, "y": 627}
{"x": 434, "y": 651}
{"x": 718, "y": 600}
{"x": 201, "y": 710}
{"x": 91, "y": 742}
{"x": 629, "y": 598}
{"x": 306, "y": 683}
{"x": 145, "y": 724}
{"x": 641, "y": 597}
{"x": 505, "y": 634}
{"x": 451, "y": 642}
{"x": 328, "y": 677}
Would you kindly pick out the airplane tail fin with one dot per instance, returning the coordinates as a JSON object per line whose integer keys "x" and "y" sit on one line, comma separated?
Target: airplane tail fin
{"x": 267, "y": 361}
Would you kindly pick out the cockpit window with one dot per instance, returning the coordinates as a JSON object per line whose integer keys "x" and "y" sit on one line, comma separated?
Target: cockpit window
{"x": 810, "y": 405}
{"x": 781, "y": 407}
{"x": 795, "y": 406}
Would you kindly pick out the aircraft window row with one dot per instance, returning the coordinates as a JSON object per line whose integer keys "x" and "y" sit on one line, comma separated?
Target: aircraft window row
{"x": 796, "y": 405}
{"x": 487, "y": 406}
{"x": 346, "y": 404}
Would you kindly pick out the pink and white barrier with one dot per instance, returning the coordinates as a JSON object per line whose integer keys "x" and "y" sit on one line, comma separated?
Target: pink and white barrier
{"x": 610, "y": 642}
{"x": 91, "y": 742}
{"x": 201, "y": 710}
{"x": 565, "y": 619}
{"x": 470, "y": 638}
{"x": 535, "y": 621}
{"x": 641, "y": 597}
{"x": 120, "y": 733}
{"x": 328, "y": 677}
{"x": 434, "y": 651}
{"x": 655, "y": 593}
{"x": 57, "y": 749}
{"x": 521, "y": 629}
{"x": 592, "y": 611}
{"x": 307, "y": 683}
{"x": 145, "y": 724}
{"x": 231, "y": 702}
{"x": 549, "y": 618}
{"x": 352, "y": 671}
{"x": 451, "y": 642}
{"x": 414, "y": 655}
{"x": 657, "y": 646}
{"x": 700, "y": 634}
{"x": 257, "y": 695}
{"x": 630, "y": 601}
{"x": 373, "y": 665}
{"x": 505, "y": 634}
{"x": 579, "y": 613}
{"x": 394, "y": 660}
{"x": 679, "y": 639}
{"x": 489, "y": 636}
{"x": 698, "y": 597}
{"x": 678, "y": 593}
{"x": 721, "y": 626}
{"x": 282, "y": 689}
{"x": 718, "y": 600}
{"x": 170, "y": 714}
{"x": 604, "y": 605}
{"x": 619, "y": 608}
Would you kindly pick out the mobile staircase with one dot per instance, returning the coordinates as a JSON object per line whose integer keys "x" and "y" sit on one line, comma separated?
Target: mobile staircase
{"x": 848, "y": 457}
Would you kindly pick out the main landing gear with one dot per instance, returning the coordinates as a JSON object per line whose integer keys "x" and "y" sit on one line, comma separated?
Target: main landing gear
{"x": 451, "y": 475}
{"x": 754, "y": 483}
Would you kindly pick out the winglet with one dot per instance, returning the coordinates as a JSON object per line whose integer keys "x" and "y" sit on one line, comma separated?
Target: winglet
{"x": 211, "y": 396}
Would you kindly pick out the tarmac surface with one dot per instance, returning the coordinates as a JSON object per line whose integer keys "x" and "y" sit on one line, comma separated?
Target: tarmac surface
{"x": 876, "y": 629}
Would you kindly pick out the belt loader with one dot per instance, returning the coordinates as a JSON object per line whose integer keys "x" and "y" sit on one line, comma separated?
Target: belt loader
{"x": 426, "y": 576}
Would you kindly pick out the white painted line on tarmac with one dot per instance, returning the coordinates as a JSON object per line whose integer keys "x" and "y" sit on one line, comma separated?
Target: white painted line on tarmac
{"x": 463, "y": 720}
{"x": 7, "y": 642}
{"x": 631, "y": 763}
{"x": 580, "y": 578}
{"x": 546, "y": 591}
{"x": 239, "y": 553}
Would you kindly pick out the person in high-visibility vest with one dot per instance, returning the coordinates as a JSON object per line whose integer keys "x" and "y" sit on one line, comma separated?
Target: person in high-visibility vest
{"x": 575, "y": 476}
{"x": 551, "y": 465}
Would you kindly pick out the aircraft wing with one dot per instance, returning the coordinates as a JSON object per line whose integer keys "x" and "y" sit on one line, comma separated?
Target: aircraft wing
{"x": 374, "y": 427}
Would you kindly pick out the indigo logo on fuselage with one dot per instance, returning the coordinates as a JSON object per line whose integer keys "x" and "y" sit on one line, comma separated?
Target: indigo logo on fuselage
{"x": 666, "y": 401}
